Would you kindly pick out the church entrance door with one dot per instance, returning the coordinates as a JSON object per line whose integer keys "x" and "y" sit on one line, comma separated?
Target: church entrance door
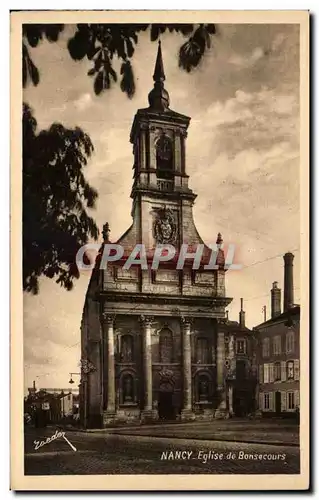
{"x": 166, "y": 410}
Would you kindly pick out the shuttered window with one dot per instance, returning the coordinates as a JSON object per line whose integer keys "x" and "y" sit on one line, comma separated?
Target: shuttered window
{"x": 266, "y": 373}
{"x": 277, "y": 345}
{"x": 290, "y": 342}
{"x": 290, "y": 400}
{"x": 277, "y": 371}
{"x": 265, "y": 347}
{"x": 283, "y": 371}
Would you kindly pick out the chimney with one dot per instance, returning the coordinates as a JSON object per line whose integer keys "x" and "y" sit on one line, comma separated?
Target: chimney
{"x": 275, "y": 300}
{"x": 242, "y": 314}
{"x": 288, "y": 281}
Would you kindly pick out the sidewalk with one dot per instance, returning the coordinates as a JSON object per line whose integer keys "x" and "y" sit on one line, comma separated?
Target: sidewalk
{"x": 279, "y": 433}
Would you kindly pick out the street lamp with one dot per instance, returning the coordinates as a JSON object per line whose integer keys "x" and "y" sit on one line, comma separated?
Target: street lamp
{"x": 71, "y": 381}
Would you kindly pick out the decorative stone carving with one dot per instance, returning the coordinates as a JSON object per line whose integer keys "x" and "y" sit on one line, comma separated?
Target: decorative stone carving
{"x": 187, "y": 320}
{"x": 164, "y": 227}
{"x": 148, "y": 320}
{"x": 109, "y": 318}
{"x": 87, "y": 366}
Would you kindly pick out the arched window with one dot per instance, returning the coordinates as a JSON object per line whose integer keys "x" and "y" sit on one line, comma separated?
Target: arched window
{"x": 127, "y": 389}
{"x": 202, "y": 350}
{"x": 127, "y": 349}
{"x": 164, "y": 158}
{"x": 166, "y": 346}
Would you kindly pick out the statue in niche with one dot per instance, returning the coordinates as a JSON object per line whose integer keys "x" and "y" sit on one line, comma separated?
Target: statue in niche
{"x": 127, "y": 349}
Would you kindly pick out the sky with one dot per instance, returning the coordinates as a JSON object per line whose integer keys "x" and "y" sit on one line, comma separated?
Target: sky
{"x": 242, "y": 156}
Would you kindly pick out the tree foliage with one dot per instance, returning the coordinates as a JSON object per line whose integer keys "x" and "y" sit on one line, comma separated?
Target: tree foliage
{"x": 55, "y": 201}
{"x": 101, "y": 43}
{"x": 55, "y": 192}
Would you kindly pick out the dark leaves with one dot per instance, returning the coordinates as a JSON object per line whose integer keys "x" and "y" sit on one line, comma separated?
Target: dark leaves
{"x": 55, "y": 201}
{"x": 29, "y": 70}
{"x": 192, "y": 51}
{"x": 79, "y": 45}
{"x": 32, "y": 35}
{"x": 127, "y": 82}
{"x": 100, "y": 43}
{"x": 98, "y": 83}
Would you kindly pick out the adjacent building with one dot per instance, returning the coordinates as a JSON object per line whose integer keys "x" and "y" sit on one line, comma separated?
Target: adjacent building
{"x": 240, "y": 366}
{"x": 279, "y": 351}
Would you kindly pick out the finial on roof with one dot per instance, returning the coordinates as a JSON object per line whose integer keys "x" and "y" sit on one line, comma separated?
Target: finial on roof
{"x": 219, "y": 240}
{"x": 106, "y": 232}
{"x": 158, "y": 98}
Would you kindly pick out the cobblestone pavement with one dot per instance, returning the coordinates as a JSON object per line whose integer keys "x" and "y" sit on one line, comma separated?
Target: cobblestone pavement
{"x": 103, "y": 453}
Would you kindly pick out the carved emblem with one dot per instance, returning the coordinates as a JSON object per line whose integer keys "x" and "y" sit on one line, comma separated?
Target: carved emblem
{"x": 166, "y": 375}
{"x": 165, "y": 227}
{"x": 87, "y": 366}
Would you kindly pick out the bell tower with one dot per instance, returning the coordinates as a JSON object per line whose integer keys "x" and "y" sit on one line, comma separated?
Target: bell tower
{"x": 160, "y": 182}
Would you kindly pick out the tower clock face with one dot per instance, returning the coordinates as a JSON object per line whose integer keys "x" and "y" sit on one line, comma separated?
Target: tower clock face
{"x": 164, "y": 148}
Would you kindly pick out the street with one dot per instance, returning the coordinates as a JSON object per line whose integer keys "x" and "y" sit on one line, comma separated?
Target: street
{"x": 107, "y": 453}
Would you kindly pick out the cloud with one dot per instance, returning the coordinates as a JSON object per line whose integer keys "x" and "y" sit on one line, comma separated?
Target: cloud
{"x": 248, "y": 60}
{"x": 83, "y": 102}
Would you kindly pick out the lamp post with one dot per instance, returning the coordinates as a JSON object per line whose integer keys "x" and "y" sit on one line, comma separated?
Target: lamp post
{"x": 71, "y": 381}
{"x": 86, "y": 368}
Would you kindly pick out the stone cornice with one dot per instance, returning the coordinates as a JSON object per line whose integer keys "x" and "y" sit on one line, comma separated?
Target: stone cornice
{"x": 113, "y": 296}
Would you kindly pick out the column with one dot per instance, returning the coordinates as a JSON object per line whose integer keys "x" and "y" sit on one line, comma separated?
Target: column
{"x": 221, "y": 386}
{"x": 187, "y": 369}
{"x": 183, "y": 156}
{"x": 109, "y": 362}
{"x": 147, "y": 364}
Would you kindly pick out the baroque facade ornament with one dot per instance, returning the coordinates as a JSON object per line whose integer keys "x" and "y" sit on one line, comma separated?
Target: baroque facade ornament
{"x": 164, "y": 227}
{"x": 146, "y": 320}
{"x": 109, "y": 318}
{"x": 87, "y": 366}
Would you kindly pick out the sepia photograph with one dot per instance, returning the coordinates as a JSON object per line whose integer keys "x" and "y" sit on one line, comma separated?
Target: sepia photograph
{"x": 159, "y": 239}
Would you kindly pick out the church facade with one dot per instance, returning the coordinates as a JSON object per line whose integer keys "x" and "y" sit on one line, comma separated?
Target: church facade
{"x": 156, "y": 341}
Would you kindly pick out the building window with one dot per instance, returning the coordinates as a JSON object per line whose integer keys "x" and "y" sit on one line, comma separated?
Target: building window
{"x": 266, "y": 401}
{"x": 290, "y": 370}
{"x": 164, "y": 158}
{"x": 127, "y": 389}
{"x": 266, "y": 373}
{"x": 202, "y": 350}
{"x": 265, "y": 347}
{"x": 291, "y": 400}
{"x": 166, "y": 346}
{"x": 203, "y": 388}
{"x": 127, "y": 349}
{"x": 277, "y": 345}
{"x": 277, "y": 370}
{"x": 290, "y": 342}
{"x": 241, "y": 346}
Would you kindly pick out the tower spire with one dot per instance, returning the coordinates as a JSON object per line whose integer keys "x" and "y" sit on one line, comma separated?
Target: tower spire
{"x": 159, "y": 75}
{"x": 158, "y": 98}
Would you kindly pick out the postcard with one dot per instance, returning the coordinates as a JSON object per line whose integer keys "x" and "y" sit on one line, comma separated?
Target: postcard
{"x": 160, "y": 250}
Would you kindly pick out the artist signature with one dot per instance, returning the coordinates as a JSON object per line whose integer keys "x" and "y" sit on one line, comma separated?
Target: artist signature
{"x": 56, "y": 435}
